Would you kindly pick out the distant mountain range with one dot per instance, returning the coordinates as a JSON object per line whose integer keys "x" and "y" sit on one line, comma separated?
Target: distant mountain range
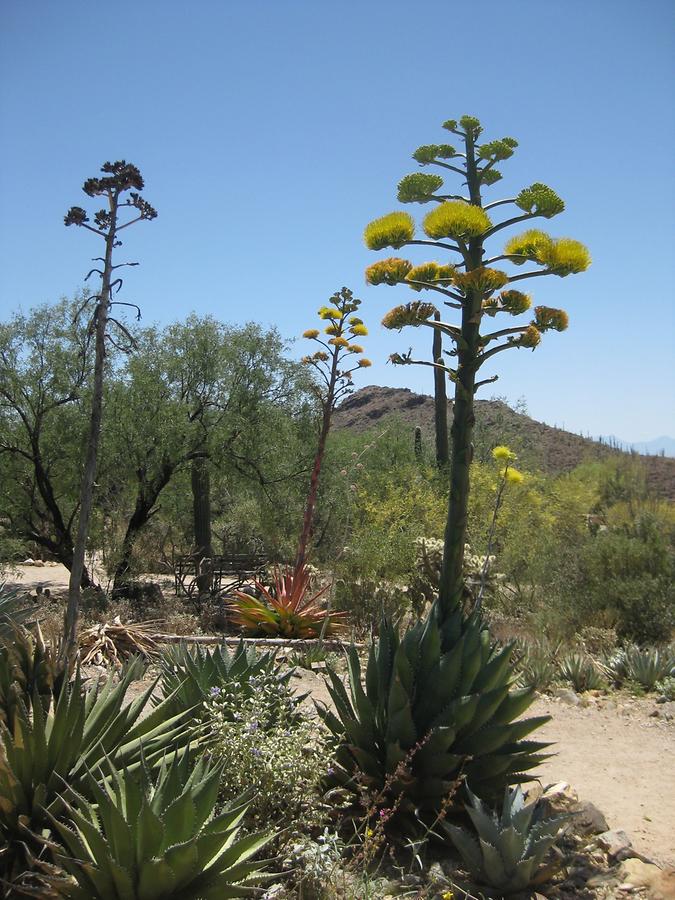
{"x": 539, "y": 446}
{"x": 660, "y": 446}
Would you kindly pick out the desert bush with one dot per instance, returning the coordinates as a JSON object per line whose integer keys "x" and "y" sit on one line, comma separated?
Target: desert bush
{"x": 190, "y": 677}
{"x": 266, "y": 745}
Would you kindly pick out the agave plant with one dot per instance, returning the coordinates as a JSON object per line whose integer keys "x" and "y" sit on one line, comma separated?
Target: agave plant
{"x": 190, "y": 676}
{"x": 437, "y": 703}
{"x": 581, "y": 672}
{"x": 30, "y": 668}
{"x": 139, "y": 836}
{"x": 507, "y": 851}
{"x": 646, "y": 666}
{"x": 14, "y": 610}
{"x": 41, "y": 749}
{"x": 289, "y": 609}
{"x": 536, "y": 665}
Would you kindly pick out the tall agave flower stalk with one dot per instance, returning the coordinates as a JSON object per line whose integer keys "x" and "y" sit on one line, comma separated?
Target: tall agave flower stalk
{"x": 461, "y": 226}
{"x": 335, "y": 362}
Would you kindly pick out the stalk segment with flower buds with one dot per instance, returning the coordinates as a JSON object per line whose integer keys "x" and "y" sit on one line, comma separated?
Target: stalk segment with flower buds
{"x": 334, "y": 364}
{"x": 461, "y": 225}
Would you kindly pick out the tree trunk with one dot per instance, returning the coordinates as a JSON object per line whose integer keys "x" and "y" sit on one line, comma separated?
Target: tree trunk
{"x": 201, "y": 511}
{"x": 440, "y": 400}
{"x": 451, "y": 591}
{"x": 146, "y": 499}
{"x": 69, "y": 644}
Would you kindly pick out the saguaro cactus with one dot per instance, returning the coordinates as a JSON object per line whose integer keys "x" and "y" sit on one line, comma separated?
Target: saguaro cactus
{"x": 461, "y": 226}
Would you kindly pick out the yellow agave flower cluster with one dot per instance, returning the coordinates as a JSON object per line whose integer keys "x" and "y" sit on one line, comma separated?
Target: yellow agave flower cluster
{"x": 339, "y": 333}
{"x": 505, "y": 458}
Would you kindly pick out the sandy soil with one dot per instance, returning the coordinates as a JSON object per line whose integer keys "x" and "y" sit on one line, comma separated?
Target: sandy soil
{"x": 614, "y": 752}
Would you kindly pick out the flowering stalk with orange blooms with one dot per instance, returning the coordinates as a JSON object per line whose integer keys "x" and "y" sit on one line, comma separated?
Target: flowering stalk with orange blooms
{"x": 335, "y": 365}
{"x": 289, "y": 608}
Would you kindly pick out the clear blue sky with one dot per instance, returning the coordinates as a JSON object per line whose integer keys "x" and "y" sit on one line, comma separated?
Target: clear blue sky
{"x": 269, "y": 134}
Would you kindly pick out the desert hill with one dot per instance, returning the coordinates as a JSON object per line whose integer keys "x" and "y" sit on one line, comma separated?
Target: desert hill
{"x": 539, "y": 446}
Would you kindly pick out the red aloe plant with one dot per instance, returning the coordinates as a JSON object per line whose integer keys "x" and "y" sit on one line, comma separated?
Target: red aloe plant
{"x": 288, "y": 609}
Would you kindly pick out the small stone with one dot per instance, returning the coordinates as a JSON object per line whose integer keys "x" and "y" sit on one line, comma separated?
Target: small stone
{"x": 588, "y": 819}
{"x": 567, "y": 696}
{"x": 613, "y": 842}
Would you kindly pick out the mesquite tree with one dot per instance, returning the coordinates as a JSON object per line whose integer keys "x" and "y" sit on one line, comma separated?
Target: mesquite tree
{"x": 334, "y": 366}
{"x": 461, "y": 225}
{"x": 118, "y": 179}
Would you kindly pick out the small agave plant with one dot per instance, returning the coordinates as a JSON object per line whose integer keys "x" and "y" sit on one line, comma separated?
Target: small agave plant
{"x": 647, "y": 666}
{"x": 148, "y": 837}
{"x": 507, "y": 851}
{"x": 581, "y": 672}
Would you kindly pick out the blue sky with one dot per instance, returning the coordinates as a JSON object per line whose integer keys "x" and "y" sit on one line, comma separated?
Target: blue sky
{"x": 269, "y": 134}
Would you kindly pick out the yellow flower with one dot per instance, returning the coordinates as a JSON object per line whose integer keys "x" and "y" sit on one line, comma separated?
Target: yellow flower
{"x": 355, "y": 348}
{"x": 369, "y": 832}
{"x": 359, "y": 330}
{"x": 364, "y": 363}
{"x": 388, "y": 271}
{"x": 311, "y": 333}
{"x": 332, "y": 329}
{"x": 339, "y": 342}
{"x": 531, "y": 337}
{"x": 329, "y": 312}
{"x": 513, "y": 476}
{"x": 448, "y": 895}
{"x": 392, "y": 230}
{"x": 503, "y": 454}
{"x": 456, "y": 219}
{"x": 546, "y": 318}
{"x": 415, "y": 314}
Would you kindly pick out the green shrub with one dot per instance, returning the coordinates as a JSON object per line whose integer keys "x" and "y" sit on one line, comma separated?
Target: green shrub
{"x": 190, "y": 676}
{"x": 267, "y": 745}
{"x": 146, "y": 837}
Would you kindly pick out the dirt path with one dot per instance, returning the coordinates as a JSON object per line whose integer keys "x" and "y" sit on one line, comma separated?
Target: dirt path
{"x": 621, "y": 759}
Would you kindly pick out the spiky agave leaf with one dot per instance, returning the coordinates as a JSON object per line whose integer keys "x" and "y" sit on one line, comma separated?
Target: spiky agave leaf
{"x": 289, "y": 609}
{"x": 141, "y": 835}
{"x": 437, "y": 703}
{"x": 191, "y": 675}
{"x": 43, "y": 748}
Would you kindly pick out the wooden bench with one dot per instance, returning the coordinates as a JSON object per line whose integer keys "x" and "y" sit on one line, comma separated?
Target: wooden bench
{"x": 234, "y": 568}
